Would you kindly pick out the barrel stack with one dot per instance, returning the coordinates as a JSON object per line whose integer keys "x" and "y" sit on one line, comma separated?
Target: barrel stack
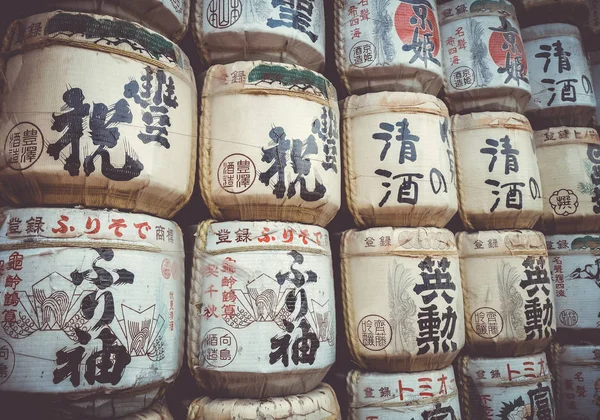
{"x": 98, "y": 123}
{"x": 261, "y": 313}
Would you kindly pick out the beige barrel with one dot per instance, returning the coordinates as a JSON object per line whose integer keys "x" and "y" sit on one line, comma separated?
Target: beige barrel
{"x": 319, "y": 404}
{"x": 261, "y": 319}
{"x": 575, "y": 269}
{"x": 553, "y": 11}
{"x": 392, "y": 396}
{"x": 485, "y": 68}
{"x": 568, "y": 157}
{"x": 509, "y": 293}
{"x": 399, "y": 160}
{"x": 578, "y": 382}
{"x": 92, "y": 306}
{"x": 110, "y": 120}
{"x": 403, "y": 302}
{"x": 497, "y": 169}
{"x": 238, "y": 30}
{"x": 269, "y": 144}
{"x": 388, "y": 46}
{"x": 561, "y": 83}
{"x": 507, "y": 388}
{"x": 169, "y": 17}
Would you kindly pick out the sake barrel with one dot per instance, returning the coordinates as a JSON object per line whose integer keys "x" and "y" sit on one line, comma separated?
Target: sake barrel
{"x": 509, "y": 293}
{"x": 485, "y": 68}
{"x": 269, "y": 144}
{"x": 318, "y": 404}
{"x": 497, "y": 169}
{"x": 391, "y": 396}
{"x": 408, "y": 316}
{"x": 508, "y": 388}
{"x": 575, "y": 269}
{"x": 92, "y": 305}
{"x": 561, "y": 84}
{"x": 141, "y": 406}
{"x": 169, "y": 17}
{"x": 567, "y": 157}
{"x": 388, "y": 46}
{"x": 553, "y": 11}
{"x": 236, "y": 30}
{"x": 579, "y": 382}
{"x": 261, "y": 319}
{"x": 399, "y": 160}
{"x": 121, "y": 134}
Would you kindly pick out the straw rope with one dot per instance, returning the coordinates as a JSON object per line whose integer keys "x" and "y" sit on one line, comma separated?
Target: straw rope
{"x": 339, "y": 45}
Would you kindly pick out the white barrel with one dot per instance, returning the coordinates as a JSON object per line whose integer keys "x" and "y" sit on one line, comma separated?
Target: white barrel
{"x": 108, "y": 121}
{"x": 261, "y": 317}
{"x": 169, "y": 17}
{"x": 319, "y": 404}
{"x": 568, "y": 157}
{"x": 497, "y": 169}
{"x": 399, "y": 160}
{"x": 506, "y": 388}
{"x": 392, "y": 396}
{"x": 485, "y": 68}
{"x": 403, "y": 301}
{"x": 269, "y": 144}
{"x": 238, "y": 30}
{"x": 388, "y": 46}
{"x": 509, "y": 293}
{"x": 92, "y": 305}
{"x": 561, "y": 83}
{"x": 575, "y": 268}
{"x": 579, "y": 382}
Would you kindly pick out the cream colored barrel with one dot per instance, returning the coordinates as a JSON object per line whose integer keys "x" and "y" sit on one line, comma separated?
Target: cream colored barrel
{"x": 579, "y": 382}
{"x": 92, "y": 305}
{"x": 169, "y": 17}
{"x": 497, "y": 169}
{"x": 269, "y": 144}
{"x": 391, "y": 396}
{"x": 567, "y": 158}
{"x": 508, "y": 388}
{"x": 399, "y": 160}
{"x": 574, "y": 265}
{"x": 479, "y": 72}
{"x": 238, "y": 30}
{"x": 388, "y": 46}
{"x": 561, "y": 83}
{"x": 509, "y": 292}
{"x": 261, "y": 319}
{"x": 109, "y": 121}
{"x": 553, "y": 11}
{"x": 319, "y": 404}
{"x": 403, "y": 301}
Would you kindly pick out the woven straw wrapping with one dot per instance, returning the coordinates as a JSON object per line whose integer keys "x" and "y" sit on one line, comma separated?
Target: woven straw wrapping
{"x": 114, "y": 145}
{"x": 240, "y": 177}
{"x": 259, "y": 31}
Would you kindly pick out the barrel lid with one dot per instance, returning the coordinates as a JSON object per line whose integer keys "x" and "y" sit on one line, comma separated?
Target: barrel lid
{"x": 397, "y": 241}
{"x": 96, "y": 32}
{"x": 454, "y": 10}
{"x": 71, "y": 227}
{"x": 579, "y": 355}
{"x": 565, "y": 135}
{"x": 507, "y": 371}
{"x": 575, "y": 244}
{"x": 549, "y": 30}
{"x": 357, "y": 382}
{"x": 268, "y": 78}
{"x": 402, "y": 102}
{"x": 320, "y": 401}
{"x": 478, "y": 120}
{"x": 221, "y": 237}
{"x": 506, "y": 243}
